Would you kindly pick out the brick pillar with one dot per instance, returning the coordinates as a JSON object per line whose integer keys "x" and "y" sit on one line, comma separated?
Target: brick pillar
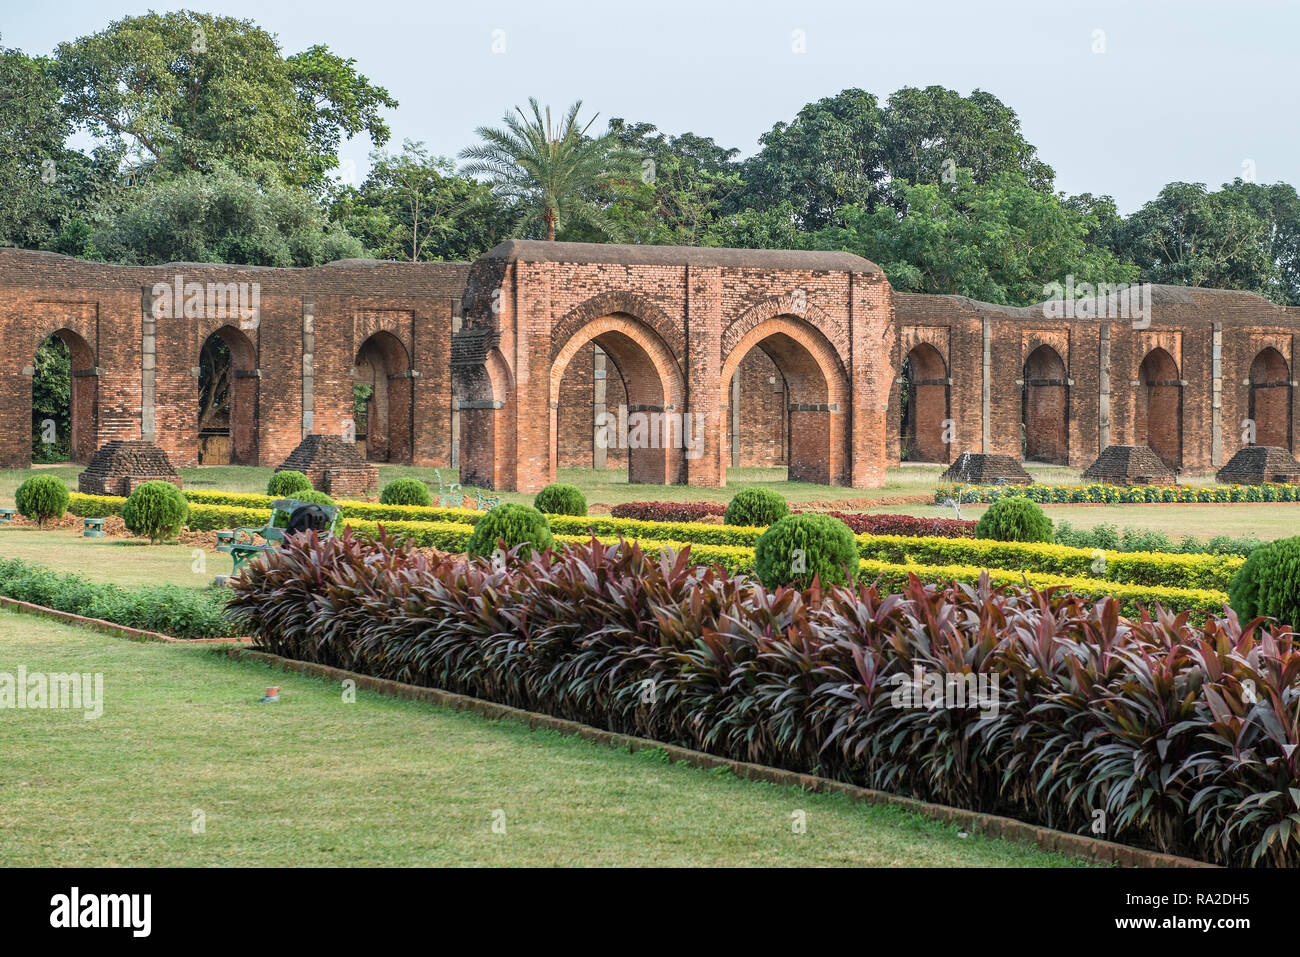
{"x": 871, "y": 334}
{"x": 432, "y": 428}
{"x": 308, "y": 364}
{"x": 704, "y": 463}
{"x": 599, "y": 384}
{"x": 534, "y": 416}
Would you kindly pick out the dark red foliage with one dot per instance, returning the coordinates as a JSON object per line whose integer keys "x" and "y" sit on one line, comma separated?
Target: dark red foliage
{"x": 1184, "y": 737}
{"x": 668, "y": 511}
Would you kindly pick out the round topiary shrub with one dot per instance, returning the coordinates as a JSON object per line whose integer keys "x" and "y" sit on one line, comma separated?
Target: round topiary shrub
{"x": 1269, "y": 583}
{"x": 1014, "y": 519}
{"x": 798, "y": 548}
{"x": 42, "y": 498}
{"x": 288, "y": 484}
{"x": 156, "y": 510}
{"x": 513, "y": 524}
{"x": 756, "y": 506}
{"x": 406, "y": 491}
{"x": 560, "y": 499}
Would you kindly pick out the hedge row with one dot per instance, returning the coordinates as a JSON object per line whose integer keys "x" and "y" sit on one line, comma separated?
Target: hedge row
{"x": 1044, "y": 707}
{"x": 169, "y": 609}
{"x": 451, "y": 537}
{"x": 1119, "y": 494}
{"x": 1210, "y": 573}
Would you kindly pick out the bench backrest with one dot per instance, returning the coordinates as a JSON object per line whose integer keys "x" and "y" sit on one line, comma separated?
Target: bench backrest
{"x": 275, "y": 533}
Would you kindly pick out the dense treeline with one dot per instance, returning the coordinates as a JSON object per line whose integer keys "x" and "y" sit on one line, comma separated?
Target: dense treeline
{"x": 213, "y": 144}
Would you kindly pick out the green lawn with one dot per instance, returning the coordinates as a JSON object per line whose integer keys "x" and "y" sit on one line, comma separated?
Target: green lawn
{"x": 313, "y": 781}
{"x": 122, "y": 561}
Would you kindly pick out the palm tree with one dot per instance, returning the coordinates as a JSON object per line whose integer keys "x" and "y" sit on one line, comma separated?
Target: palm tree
{"x": 554, "y": 175}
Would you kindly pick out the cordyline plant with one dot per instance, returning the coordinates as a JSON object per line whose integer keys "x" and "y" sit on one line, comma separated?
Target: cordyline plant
{"x": 1169, "y": 735}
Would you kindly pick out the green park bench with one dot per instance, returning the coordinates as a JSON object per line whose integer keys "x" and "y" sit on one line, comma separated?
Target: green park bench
{"x": 242, "y": 544}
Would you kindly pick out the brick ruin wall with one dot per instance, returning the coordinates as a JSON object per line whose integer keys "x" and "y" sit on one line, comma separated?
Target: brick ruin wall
{"x": 1209, "y": 373}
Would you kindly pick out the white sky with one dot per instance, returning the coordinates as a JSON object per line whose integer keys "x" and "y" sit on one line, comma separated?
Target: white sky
{"x": 1184, "y": 90}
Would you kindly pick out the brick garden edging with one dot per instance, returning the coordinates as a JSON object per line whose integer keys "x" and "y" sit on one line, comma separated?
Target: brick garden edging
{"x": 110, "y": 627}
{"x": 975, "y": 822}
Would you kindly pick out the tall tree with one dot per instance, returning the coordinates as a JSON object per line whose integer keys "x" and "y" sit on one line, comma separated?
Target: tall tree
{"x": 187, "y": 90}
{"x": 553, "y": 174}
{"x": 1191, "y": 236}
{"x": 1000, "y": 241}
{"x": 414, "y": 207}
{"x": 928, "y": 134}
{"x": 34, "y": 164}
{"x": 829, "y": 157}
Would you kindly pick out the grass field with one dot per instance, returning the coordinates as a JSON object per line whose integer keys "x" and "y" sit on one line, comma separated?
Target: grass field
{"x": 314, "y": 781}
{"x": 122, "y": 561}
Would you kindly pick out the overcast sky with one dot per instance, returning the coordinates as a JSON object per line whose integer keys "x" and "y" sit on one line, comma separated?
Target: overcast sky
{"x": 1183, "y": 90}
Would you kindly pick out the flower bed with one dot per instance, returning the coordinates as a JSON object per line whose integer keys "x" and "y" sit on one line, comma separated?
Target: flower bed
{"x": 1120, "y": 494}
{"x": 1185, "y": 737}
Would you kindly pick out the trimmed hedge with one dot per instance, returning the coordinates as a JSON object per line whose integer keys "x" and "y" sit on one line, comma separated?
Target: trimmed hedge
{"x": 1071, "y": 707}
{"x": 1202, "y": 602}
{"x": 42, "y": 498}
{"x": 756, "y": 506}
{"x": 406, "y": 491}
{"x": 667, "y": 511}
{"x": 560, "y": 499}
{"x": 287, "y": 484}
{"x": 155, "y": 510}
{"x": 1119, "y": 494}
{"x": 800, "y": 549}
{"x": 518, "y": 526}
{"x": 1014, "y": 519}
{"x": 1166, "y": 570}
{"x": 169, "y": 609}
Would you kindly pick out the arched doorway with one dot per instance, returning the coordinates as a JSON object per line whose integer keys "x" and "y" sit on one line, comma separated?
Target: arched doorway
{"x": 1269, "y": 406}
{"x": 64, "y": 410}
{"x": 1160, "y": 407}
{"x": 227, "y": 421}
{"x": 383, "y": 371}
{"x": 1044, "y": 407}
{"x": 648, "y": 426}
{"x": 923, "y": 404}
{"x": 817, "y": 389}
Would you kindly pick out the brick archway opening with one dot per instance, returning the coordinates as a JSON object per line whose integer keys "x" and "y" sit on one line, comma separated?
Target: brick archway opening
{"x": 227, "y": 399}
{"x": 648, "y": 427}
{"x": 1044, "y": 408}
{"x": 74, "y": 423}
{"x": 924, "y": 406}
{"x": 382, "y": 399}
{"x": 817, "y": 406}
{"x": 1269, "y": 405}
{"x": 1160, "y": 407}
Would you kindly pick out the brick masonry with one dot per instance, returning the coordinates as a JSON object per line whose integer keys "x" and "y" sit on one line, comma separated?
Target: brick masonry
{"x": 792, "y": 358}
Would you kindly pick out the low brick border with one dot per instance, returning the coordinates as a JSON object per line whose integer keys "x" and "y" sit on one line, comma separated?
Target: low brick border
{"x": 991, "y": 825}
{"x": 110, "y": 627}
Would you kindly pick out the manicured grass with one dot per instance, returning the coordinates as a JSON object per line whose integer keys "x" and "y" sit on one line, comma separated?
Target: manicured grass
{"x": 122, "y": 561}
{"x": 314, "y": 781}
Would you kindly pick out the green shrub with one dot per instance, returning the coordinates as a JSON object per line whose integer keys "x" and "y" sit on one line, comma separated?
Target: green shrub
{"x": 42, "y": 498}
{"x": 516, "y": 525}
{"x": 1269, "y": 583}
{"x": 560, "y": 499}
{"x": 315, "y": 498}
{"x": 406, "y": 491}
{"x": 288, "y": 484}
{"x": 168, "y": 609}
{"x": 756, "y": 506}
{"x": 1014, "y": 519}
{"x": 798, "y": 548}
{"x": 156, "y": 510}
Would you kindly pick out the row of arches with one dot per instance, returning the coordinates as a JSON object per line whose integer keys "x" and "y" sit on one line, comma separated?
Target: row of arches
{"x": 65, "y": 399}
{"x": 641, "y": 371}
{"x": 925, "y": 405}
